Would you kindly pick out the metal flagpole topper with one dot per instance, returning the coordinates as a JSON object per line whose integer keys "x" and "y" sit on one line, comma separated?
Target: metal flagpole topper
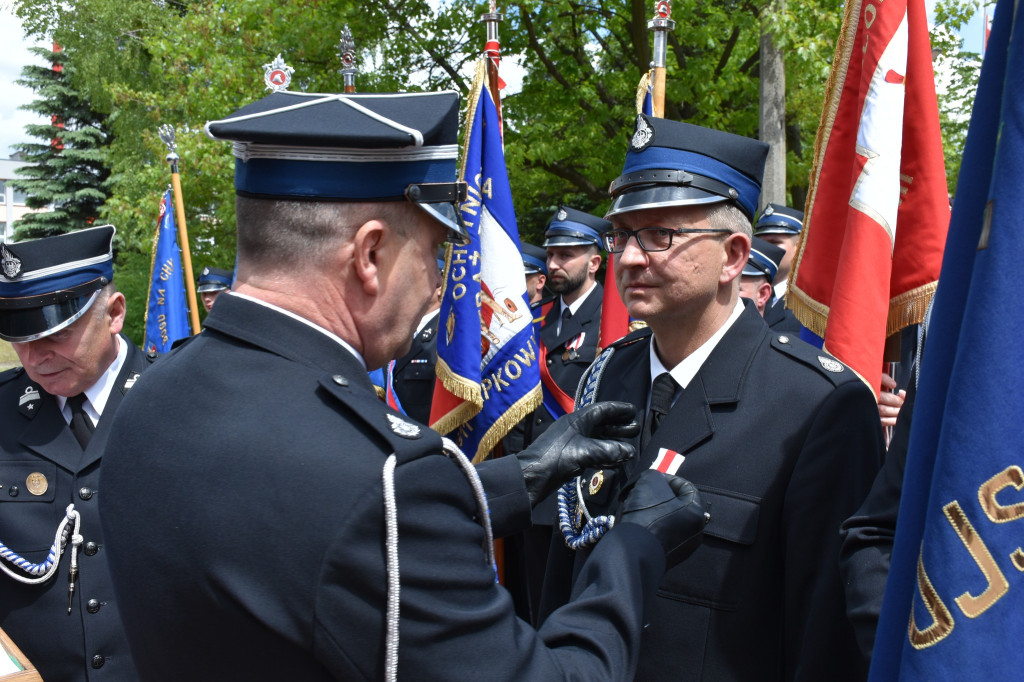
{"x": 167, "y": 135}
{"x": 661, "y": 24}
{"x": 492, "y": 51}
{"x": 347, "y": 54}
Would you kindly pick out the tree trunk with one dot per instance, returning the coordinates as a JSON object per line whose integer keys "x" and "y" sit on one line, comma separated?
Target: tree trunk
{"x": 772, "y": 114}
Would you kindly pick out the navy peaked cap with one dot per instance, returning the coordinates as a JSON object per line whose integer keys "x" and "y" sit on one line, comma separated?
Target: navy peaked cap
{"x": 215, "y": 279}
{"x": 46, "y": 284}
{"x": 535, "y": 260}
{"x": 779, "y": 219}
{"x": 570, "y": 227}
{"x": 670, "y": 163}
{"x": 349, "y": 147}
{"x": 764, "y": 259}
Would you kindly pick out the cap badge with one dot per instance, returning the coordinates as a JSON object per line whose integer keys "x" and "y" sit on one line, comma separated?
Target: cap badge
{"x": 596, "y": 481}
{"x": 30, "y": 395}
{"x": 36, "y": 483}
{"x": 562, "y": 214}
{"x": 644, "y": 134}
{"x": 11, "y": 264}
{"x": 277, "y": 75}
{"x": 206, "y": 271}
{"x": 403, "y": 428}
{"x": 768, "y": 210}
{"x": 830, "y": 364}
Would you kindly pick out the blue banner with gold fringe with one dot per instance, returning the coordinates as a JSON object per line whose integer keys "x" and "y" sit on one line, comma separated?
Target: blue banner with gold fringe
{"x": 956, "y": 583}
{"x": 487, "y": 373}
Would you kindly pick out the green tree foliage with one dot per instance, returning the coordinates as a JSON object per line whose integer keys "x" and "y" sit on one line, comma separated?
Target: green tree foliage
{"x": 69, "y": 172}
{"x": 186, "y": 62}
{"x": 957, "y": 79}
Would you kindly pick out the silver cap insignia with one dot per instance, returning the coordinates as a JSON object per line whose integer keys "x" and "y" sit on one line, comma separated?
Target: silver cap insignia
{"x": 561, "y": 215}
{"x": 11, "y": 264}
{"x": 644, "y": 134}
{"x": 277, "y": 75}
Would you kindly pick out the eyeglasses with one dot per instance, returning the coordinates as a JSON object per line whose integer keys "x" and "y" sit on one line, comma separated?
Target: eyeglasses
{"x": 651, "y": 239}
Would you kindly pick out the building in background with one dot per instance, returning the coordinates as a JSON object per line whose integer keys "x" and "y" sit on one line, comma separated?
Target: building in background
{"x": 12, "y": 201}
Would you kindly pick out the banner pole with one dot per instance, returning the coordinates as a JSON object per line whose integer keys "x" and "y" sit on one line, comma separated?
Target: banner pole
{"x": 167, "y": 135}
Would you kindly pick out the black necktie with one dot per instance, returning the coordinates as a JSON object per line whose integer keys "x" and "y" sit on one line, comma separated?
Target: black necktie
{"x": 662, "y": 390}
{"x": 81, "y": 425}
{"x": 566, "y": 316}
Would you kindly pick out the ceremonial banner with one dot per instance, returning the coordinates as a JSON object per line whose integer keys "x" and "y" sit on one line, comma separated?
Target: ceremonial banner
{"x": 167, "y": 312}
{"x": 487, "y": 373}
{"x": 878, "y": 209}
{"x": 954, "y": 597}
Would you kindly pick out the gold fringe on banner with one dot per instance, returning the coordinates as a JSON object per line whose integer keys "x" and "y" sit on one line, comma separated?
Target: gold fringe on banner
{"x": 519, "y": 411}
{"x": 641, "y": 91}
{"x": 909, "y": 308}
{"x": 811, "y": 314}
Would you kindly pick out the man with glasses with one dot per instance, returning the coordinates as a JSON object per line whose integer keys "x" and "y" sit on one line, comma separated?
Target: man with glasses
{"x": 278, "y": 521}
{"x": 63, "y": 315}
{"x": 761, "y": 599}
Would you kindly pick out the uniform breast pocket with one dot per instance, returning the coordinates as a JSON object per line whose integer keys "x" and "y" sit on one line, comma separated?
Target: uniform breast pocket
{"x": 420, "y": 372}
{"x": 28, "y": 513}
{"x": 717, "y": 573}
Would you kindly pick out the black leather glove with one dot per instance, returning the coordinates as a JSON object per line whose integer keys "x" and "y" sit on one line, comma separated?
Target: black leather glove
{"x": 578, "y": 441}
{"x": 670, "y": 507}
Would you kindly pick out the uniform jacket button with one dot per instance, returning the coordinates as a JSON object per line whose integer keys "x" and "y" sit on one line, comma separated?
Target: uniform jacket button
{"x": 92, "y": 606}
{"x": 86, "y": 493}
{"x": 91, "y": 548}
{"x": 97, "y": 661}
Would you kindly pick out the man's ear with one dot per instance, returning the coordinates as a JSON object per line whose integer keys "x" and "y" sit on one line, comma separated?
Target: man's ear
{"x": 594, "y": 264}
{"x": 115, "y": 312}
{"x": 764, "y": 294}
{"x": 366, "y": 256}
{"x": 737, "y": 250}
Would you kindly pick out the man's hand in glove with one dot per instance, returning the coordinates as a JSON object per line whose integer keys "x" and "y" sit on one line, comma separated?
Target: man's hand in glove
{"x": 577, "y": 441}
{"x": 670, "y": 508}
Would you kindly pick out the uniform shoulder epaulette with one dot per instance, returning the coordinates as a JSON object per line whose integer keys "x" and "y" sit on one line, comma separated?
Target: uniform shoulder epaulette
{"x": 815, "y": 358}
{"x": 10, "y": 374}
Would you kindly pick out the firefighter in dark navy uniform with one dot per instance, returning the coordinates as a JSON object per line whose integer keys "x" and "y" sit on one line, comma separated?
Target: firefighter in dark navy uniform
{"x": 212, "y": 283}
{"x": 63, "y": 317}
{"x": 535, "y": 267}
{"x": 781, "y": 225}
{"x": 761, "y": 598}
{"x": 313, "y": 533}
{"x": 759, "y": 273}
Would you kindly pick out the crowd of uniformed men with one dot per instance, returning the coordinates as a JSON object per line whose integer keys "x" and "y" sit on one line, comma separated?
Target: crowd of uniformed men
{"x": 261, "y": 514}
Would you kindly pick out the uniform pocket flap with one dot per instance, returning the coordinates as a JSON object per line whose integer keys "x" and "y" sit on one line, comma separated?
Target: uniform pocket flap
{"x": 733, "y": 516}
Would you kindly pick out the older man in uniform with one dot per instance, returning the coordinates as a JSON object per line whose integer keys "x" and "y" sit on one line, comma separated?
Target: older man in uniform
{"x": 781, "y": 225}
{"x": 759, "y": 273}
{"x": 212, "y": 283}
{"x": 312, "y": 533}
{"x": 761, "y": 599}
{"x": 63, "y": 316}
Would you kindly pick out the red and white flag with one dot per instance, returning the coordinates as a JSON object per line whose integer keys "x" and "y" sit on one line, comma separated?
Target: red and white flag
{"x": 668, "y": 461}
{"x": 878, "y": 208}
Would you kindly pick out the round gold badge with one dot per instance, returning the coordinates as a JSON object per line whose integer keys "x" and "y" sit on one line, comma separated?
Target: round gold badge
{"x": 596, "y": 481}
{"x": 36, "y": 483}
